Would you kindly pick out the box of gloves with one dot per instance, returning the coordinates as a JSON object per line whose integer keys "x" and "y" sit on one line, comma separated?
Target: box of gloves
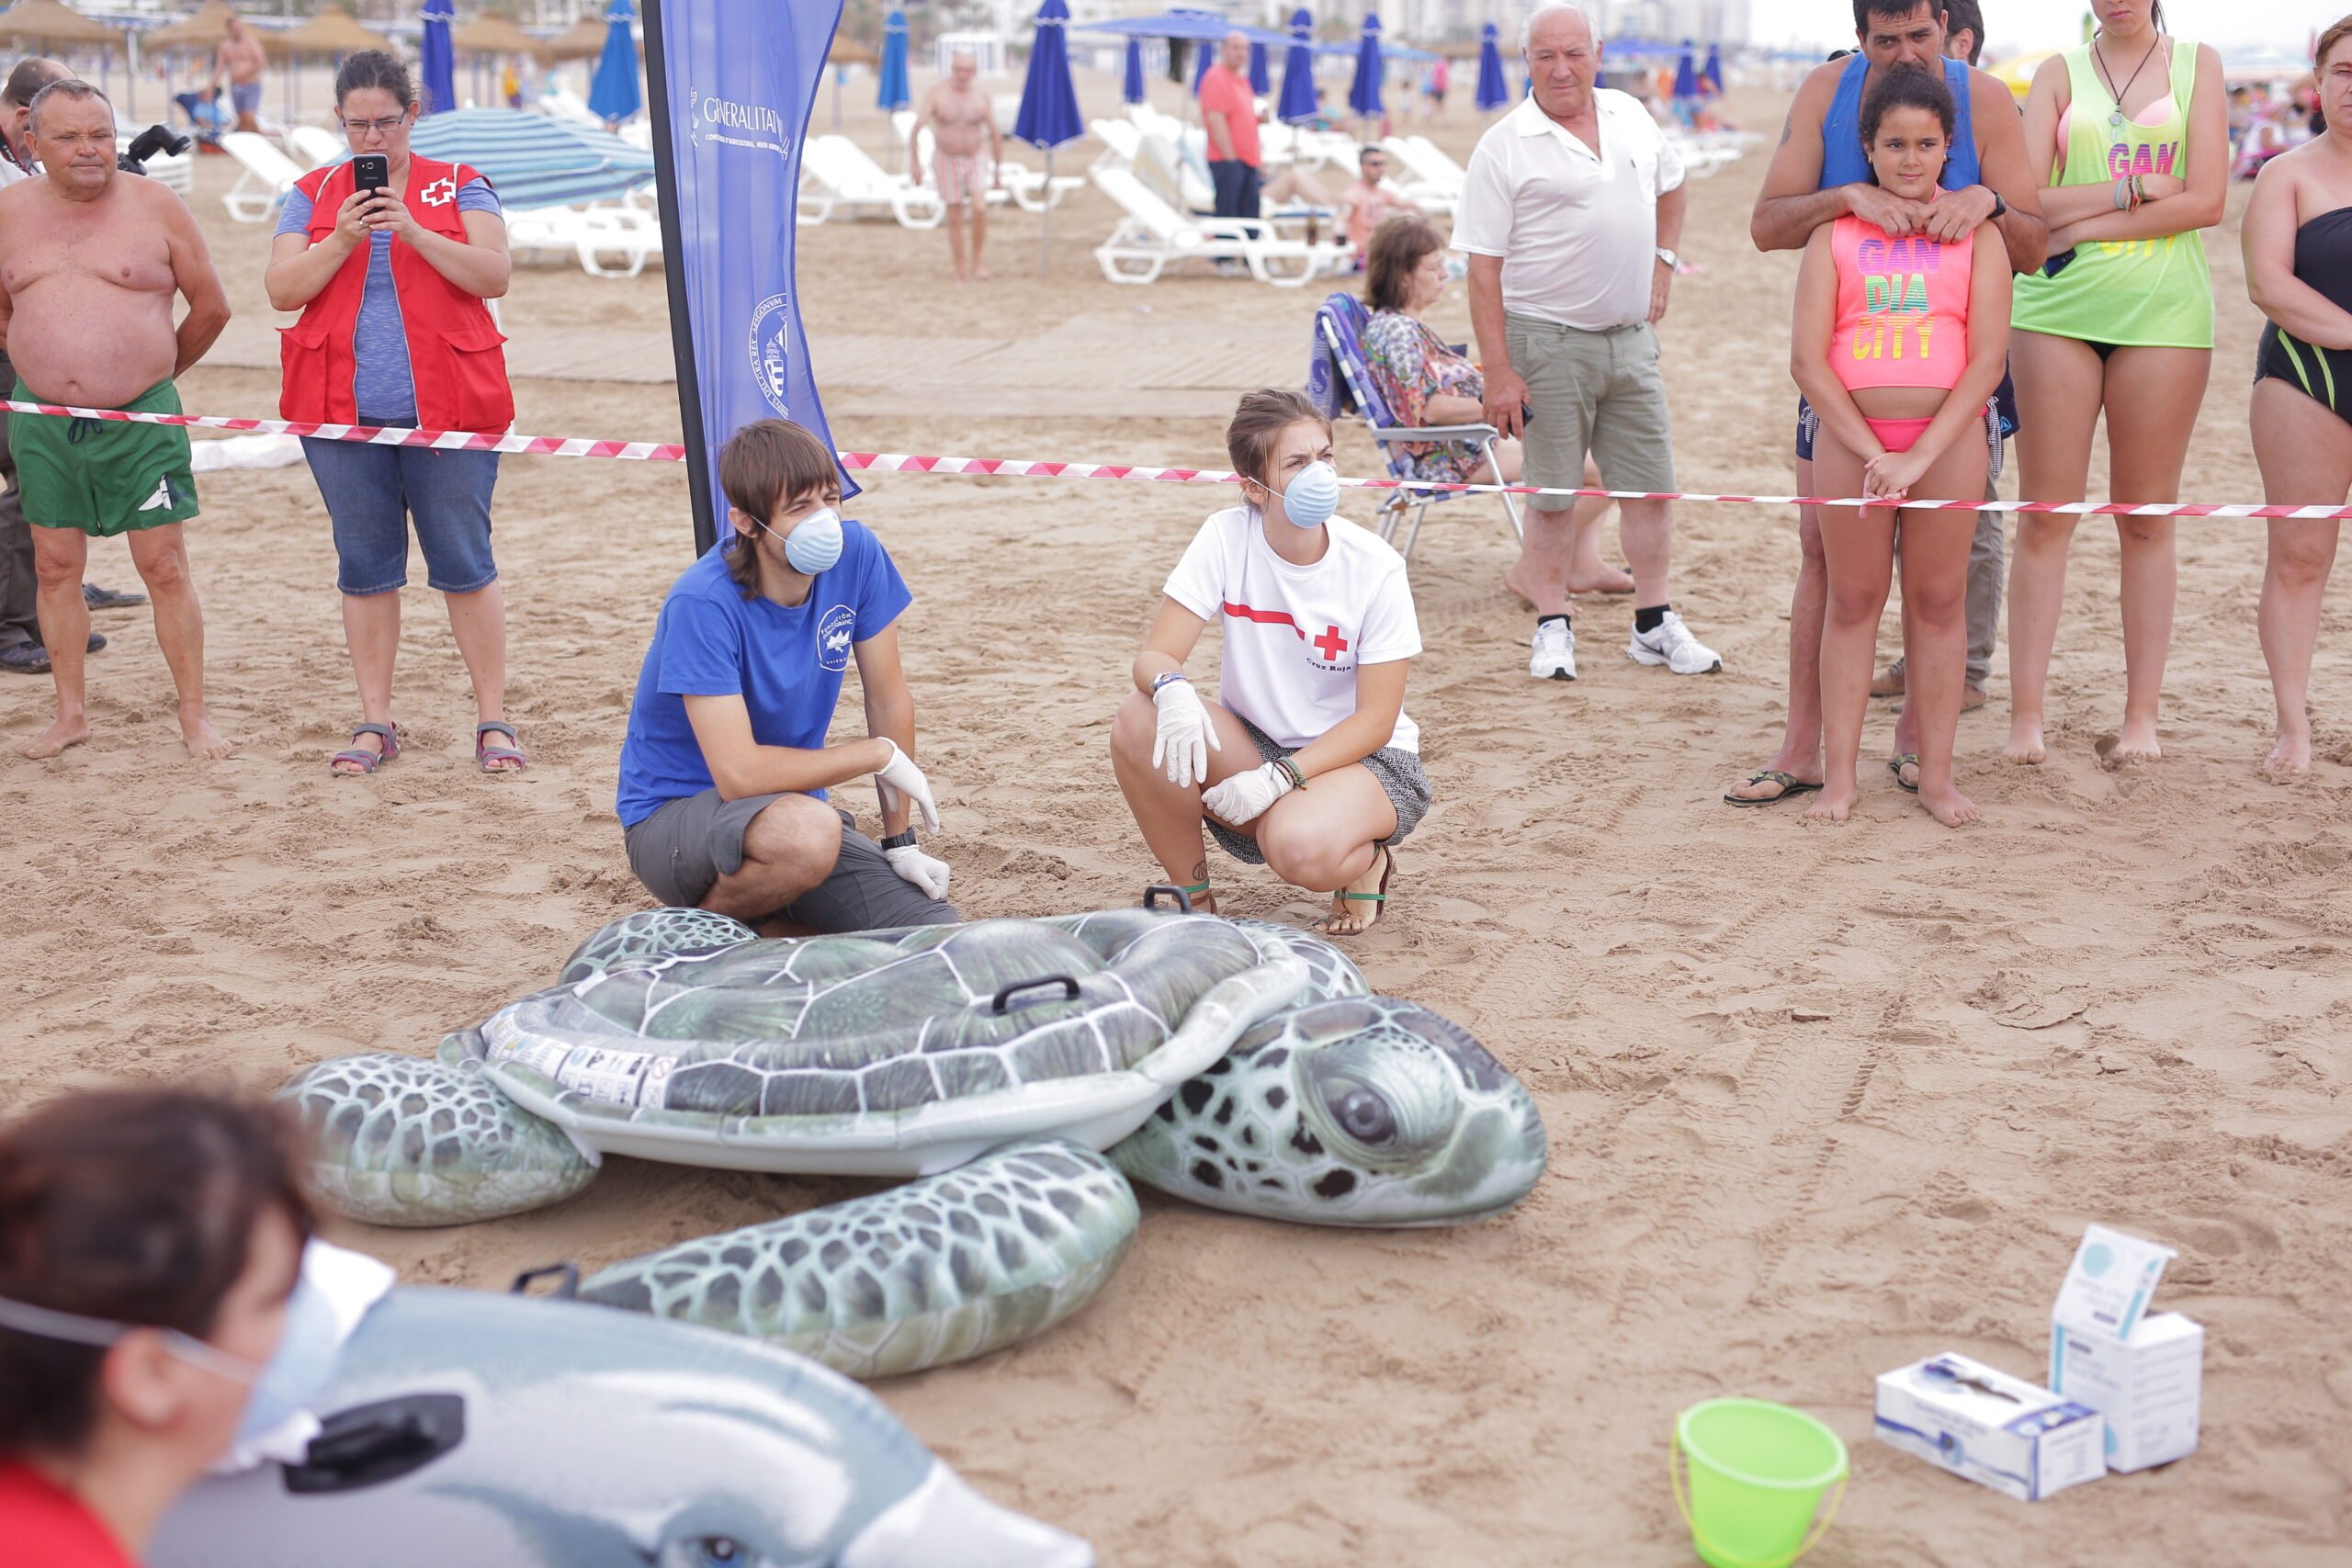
{"x": 2142, "y": 1372}
{"x": 1995, "y": 1429}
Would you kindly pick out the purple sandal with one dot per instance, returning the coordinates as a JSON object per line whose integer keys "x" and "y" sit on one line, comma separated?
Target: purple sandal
{"x": 485, "y": 755}
{"x": 368, "y": 760}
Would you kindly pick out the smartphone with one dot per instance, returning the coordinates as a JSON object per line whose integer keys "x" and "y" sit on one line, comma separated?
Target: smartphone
{"x": 371, "y": 171}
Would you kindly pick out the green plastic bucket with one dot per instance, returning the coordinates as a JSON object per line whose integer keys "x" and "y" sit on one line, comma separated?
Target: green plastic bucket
{"x": 1757, "y": 1473}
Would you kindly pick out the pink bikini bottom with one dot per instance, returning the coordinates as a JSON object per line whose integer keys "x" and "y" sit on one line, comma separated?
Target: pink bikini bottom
{"x": 1897, "y": 435}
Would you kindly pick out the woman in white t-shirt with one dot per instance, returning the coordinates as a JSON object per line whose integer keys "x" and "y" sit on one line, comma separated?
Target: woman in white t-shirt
{"x": 1306, "y": 764}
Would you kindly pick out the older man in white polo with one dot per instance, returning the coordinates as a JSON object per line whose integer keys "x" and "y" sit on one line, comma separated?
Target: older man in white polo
{"x": 1570, "y": 217}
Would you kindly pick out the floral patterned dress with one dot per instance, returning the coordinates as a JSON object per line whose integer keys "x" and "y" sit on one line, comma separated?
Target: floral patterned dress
{"x": 1410, "y": 366}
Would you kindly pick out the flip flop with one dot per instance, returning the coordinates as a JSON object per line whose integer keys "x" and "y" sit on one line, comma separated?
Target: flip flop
{"x": 368, "y": 760}
{"x": 1791, "y": 787}
{"x": 1378, "y": 900}
{"x": 485, "y": 755}
{"x": 1896, "y": 764}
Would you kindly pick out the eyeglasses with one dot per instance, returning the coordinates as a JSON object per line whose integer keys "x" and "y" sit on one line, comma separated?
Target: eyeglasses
{"x": 362, "y": 126}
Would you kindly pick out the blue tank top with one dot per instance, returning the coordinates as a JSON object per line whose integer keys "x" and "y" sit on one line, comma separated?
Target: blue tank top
{"x": 1842, "y": 160}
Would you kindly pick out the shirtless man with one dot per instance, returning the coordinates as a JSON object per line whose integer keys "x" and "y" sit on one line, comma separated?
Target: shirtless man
{"x": 959, "y": 115}
{"x": 89, "y": 261}
{"x": 240, "y": 60}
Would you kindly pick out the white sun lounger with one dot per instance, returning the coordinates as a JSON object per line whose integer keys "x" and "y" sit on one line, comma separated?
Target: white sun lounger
{"x": 266, "y": 176}
{"x": 609, "y": 242}
{"x": 314, "y": 145}
{"x": 837, "y": 177}
{"x": 1152, "y": 234}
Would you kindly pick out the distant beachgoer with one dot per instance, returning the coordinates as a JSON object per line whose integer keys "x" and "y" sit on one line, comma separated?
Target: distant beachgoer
{"x": 2297, "y": 235}
{"x": 724, "y": 771}
{"x": 960, "y": 117}
{"x": 1306, "y": 764}
{"x": 1898, "y": 344}
{"x": 1426, "y": 380}
{"x": 1372, "y": 200}
{"x": 394, "y": 331}
{"x": 90, "y": 259}
{"x": 149, "y": 1242}
{"x": 240, "y": 60}
{"x": 2120, "y": 319}
{"x": 1229, "y": 116}
{"x": 1819, "y": 175}
{"x": 1439, "y": 77}
{"x": 1571, "y": 265}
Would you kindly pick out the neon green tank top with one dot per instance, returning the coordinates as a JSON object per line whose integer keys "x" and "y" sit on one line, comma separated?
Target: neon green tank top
{"x": 2147, "y": 293}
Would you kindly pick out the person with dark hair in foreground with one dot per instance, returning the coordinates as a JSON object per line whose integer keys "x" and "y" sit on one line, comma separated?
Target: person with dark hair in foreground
{"x": 724, "y": 773}
{"x": 149, "y": 1241}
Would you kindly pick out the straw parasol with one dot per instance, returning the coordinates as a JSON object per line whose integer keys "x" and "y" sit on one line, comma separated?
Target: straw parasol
{"x": 332, "y": 32}
{"x": 48, "y": 22}
{"x": 204, "y": 30}
{"x": 585, "y": 39}
{"x": 849, "y": 52}
{"x": 493, "y": 34}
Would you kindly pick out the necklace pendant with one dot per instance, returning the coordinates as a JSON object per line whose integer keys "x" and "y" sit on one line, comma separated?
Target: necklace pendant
{"x": 2115, "y": 119}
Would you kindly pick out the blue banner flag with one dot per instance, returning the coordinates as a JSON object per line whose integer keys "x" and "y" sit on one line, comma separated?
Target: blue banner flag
{"x": 732, "y": 84}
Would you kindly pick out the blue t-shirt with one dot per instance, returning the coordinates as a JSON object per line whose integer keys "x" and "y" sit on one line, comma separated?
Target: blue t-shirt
{"x": 785, "y": 662}
{"x": 1845, "y": 163}
{"x": 384, "y": 387}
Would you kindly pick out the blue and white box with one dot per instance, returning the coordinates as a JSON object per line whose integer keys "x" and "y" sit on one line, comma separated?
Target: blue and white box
{"x": 2143, "y": 1372}
{"x": 1995, "y": 1429}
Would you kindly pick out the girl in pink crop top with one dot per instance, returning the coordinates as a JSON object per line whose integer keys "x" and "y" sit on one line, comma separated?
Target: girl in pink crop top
{"x": 1899, "y": 342}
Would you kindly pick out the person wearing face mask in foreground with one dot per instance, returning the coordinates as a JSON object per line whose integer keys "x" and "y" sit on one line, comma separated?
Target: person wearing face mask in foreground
{"x": 151, "y": 1242}
{"x": 1306, "y": 762}
{"x": 724, "y": 771}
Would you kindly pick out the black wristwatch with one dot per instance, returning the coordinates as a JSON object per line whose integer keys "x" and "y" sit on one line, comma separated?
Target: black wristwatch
{"x": 905, "y": 840}
{"x": 2000, "y": 208}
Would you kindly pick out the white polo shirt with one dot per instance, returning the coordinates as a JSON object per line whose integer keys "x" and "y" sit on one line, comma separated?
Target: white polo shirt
{"x": 1575, "y": 226}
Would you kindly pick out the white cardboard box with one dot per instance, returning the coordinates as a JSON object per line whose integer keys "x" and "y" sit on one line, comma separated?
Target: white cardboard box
{"x": 1993, "y": 1428}
{"x": 2143, "y": 1373}
{"x": 2148, "y": 1387}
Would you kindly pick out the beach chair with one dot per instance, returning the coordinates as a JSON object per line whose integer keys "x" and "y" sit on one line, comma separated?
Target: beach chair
{"x": 264, "y": 176}
{"x": 1340, "y": 380}
{"x": 837, "y": 177}
{"x": 1152, "y": 234}
{"x": 1428, "y": 175}
{"x": 608, "y": 241}
{"x": 314, "y": 145}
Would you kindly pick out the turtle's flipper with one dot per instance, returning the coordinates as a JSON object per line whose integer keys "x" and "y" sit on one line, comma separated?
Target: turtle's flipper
{"x": 940, "y": 1269}
{"x": 404, "y": 1142}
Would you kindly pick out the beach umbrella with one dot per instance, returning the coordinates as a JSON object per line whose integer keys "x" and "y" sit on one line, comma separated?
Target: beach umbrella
{"x": 1686, "y": 74}
{"x": 845, "y": 54}
{"x": 891, "y": 82}
{"x": 1261, "y": 81}
{"x": 1364, "y": 93}
{"x": 1712, "y": 73}
{"x": 1048, "y": 115}
{"x": 436, "y": 58}
{"x": 1297, "y": 104}
{"x": 1131, "y": 84}
{"x": 536, "y": 160}
{"x": 1494, "y": 89}
{"x": 331, "y": 32}
{"x": 585, "y": 39}
{"x": 1204, "y": 56}
{"x": 614, "y": 95}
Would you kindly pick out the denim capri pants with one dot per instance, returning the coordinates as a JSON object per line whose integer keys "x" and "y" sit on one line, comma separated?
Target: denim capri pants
{"x": 373, "y": 493}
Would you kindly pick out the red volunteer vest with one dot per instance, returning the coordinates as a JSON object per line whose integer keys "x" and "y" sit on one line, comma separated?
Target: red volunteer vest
{"x": 453, "y": 344}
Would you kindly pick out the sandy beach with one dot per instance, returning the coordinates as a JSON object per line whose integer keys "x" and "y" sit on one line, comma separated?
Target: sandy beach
{"x": 1822, "y": 1101}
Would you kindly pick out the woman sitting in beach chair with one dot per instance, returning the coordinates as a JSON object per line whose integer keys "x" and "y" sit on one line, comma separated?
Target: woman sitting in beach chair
{"x": 1306, "y": 764}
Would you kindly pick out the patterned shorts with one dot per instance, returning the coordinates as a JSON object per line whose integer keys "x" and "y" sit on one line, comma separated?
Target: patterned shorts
{"x": 959, "y": 179}
{"x": 1401, "y": 779}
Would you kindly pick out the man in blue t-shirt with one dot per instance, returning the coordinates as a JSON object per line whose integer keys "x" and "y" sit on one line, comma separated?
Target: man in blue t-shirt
{"x": 724, "y": 773}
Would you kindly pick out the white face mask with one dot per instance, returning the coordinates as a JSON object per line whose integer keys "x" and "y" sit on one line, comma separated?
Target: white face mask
{"x": 1313, "y": 495}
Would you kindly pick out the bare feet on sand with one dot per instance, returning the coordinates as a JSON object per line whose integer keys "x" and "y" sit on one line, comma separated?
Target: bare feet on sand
{"x": 204, "y": 742}
{"x": 2135, "y": 743}
{"x": 1609, "y": 579}
{"x": 64, "y": 732}
{"x": 2025, "y": 743}
{"x": 1948, "y": 806}
{"x": 1837, "y": 804}
{"x": 2290, "y": 758}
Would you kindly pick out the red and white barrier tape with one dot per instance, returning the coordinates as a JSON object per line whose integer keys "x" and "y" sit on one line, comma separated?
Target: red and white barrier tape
{"x": 1016, "y": 467}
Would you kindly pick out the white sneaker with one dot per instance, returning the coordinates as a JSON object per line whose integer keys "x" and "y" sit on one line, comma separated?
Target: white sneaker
{"x": 1555, "y": 652}
{"x": 1673, "y": 646}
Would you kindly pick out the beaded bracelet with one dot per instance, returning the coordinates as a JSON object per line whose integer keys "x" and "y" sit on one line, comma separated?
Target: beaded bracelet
{"x": 1297, "y": 779}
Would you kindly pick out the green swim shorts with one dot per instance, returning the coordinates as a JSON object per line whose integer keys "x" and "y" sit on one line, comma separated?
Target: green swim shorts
{"x": 104, "y": 476}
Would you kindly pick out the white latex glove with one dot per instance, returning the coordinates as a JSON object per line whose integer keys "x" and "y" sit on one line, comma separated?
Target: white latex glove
{"x": 901, "y": 780}
{"x": 926, "y": 872}
{"x": 1186, "y": 737}
{"x": 1245, "y": 796}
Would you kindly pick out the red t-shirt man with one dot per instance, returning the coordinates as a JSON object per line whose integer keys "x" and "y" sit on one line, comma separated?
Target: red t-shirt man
{"x": 1223, "y": 92}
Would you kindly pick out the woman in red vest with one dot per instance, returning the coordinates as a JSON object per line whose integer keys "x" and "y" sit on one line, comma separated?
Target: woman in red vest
{"x": 394, "y": 331}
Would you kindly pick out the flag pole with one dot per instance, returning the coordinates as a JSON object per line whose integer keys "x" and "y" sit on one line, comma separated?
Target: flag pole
{"x": 682, "y": 333}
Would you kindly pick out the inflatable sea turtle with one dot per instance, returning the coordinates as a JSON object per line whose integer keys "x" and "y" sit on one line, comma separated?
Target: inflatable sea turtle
{"x": 1239, "y": 1065}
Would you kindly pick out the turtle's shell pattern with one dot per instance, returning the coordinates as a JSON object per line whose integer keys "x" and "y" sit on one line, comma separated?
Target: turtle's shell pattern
{"x": 651, "y": 934}
{"x": 844, "y": 1026}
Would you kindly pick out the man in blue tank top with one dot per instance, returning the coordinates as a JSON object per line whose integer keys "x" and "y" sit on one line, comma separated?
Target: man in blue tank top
{"x": 1819, "y": 175}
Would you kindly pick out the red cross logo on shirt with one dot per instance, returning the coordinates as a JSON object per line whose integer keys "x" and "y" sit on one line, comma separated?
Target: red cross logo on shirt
{"x": 1331, "y": 644}
{"x": 440, "y": 192}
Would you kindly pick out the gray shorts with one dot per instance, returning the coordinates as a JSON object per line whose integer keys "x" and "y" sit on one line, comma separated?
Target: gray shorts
{"x": 1398, "y": 771}
{"x": 245, "y": 98}
{"x": 682, "y": 850}
{"x": 1597, "y": 392}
